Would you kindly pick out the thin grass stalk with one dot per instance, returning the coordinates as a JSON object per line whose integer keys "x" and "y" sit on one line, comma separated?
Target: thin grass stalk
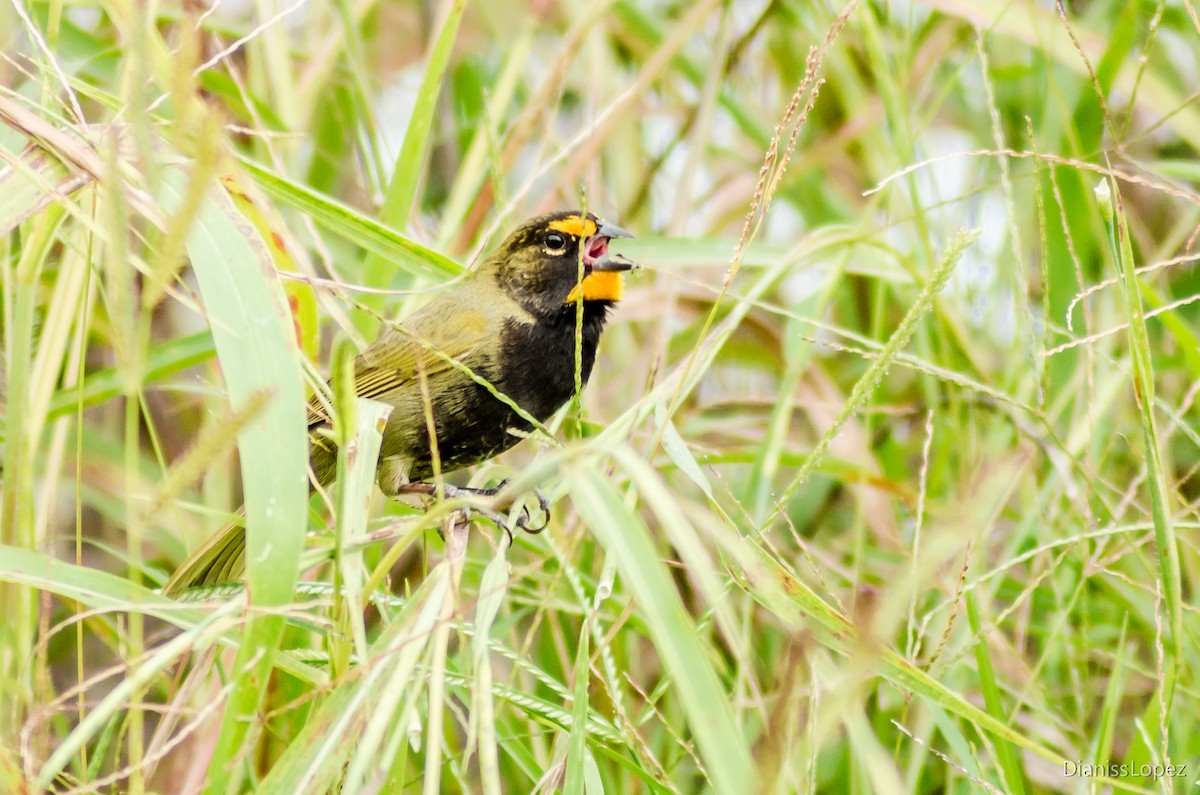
{"x": 874, "y": 373}
{"x": 17, "y": 519}
{"x": 1112, "y": 211}
{"x": 410, "y": 164}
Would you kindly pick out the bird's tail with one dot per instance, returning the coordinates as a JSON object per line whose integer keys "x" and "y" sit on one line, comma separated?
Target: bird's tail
{"x": 222, "y": 559}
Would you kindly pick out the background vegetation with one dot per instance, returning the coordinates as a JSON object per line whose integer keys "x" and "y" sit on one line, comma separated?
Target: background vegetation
{"x": 856, "y": 502}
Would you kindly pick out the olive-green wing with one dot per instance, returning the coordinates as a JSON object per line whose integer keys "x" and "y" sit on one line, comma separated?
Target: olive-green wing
{"x": 433, "y": 340}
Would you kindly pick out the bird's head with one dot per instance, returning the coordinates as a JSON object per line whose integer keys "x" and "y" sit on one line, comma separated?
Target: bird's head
{"x": 554, "y": 260}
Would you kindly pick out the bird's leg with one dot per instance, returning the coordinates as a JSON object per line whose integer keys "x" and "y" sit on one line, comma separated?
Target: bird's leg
{"x": 458, "y": 492}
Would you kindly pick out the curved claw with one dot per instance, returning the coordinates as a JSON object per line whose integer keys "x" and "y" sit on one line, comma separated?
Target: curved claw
{"x": 524, "y": 522}
{"x": 496, "y": 518}
{"x": 526, "y": 518}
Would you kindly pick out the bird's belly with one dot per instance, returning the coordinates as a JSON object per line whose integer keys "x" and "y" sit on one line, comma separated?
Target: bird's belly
{"x": 472, "y": 426}
{"x": 537, "y": 371}
{"x": 475, "y": 430}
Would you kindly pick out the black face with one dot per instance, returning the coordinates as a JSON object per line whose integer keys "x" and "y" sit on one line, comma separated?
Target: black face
{"x": 539, "y": 264}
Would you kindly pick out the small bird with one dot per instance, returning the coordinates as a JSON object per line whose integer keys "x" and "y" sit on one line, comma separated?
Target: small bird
{"x": 511, "y": 323}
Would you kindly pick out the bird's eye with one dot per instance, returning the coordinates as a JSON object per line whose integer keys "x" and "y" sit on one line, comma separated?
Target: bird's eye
{"x": 556, "y": 242}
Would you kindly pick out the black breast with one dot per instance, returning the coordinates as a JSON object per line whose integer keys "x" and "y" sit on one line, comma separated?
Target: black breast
{"x": 539, "y": 359}
{"x": 535, "y": 368}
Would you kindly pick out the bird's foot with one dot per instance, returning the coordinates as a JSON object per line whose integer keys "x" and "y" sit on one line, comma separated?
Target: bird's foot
{"x": 524, "y": 522}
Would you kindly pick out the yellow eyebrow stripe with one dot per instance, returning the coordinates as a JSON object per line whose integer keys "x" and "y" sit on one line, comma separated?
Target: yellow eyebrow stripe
{"x": 574, "y": 225}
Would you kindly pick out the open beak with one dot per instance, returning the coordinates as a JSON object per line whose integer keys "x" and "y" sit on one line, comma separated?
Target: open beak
{"x": 612, "y": 230}
{"x": 596, "y": 256}
{"x": 602, "y": 269}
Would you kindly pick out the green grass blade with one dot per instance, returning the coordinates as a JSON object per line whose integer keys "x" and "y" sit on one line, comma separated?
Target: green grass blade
{"x": 107, "y": 593}
{"x": 407, "y": 174}
{"x": 1113, "y": 212}
{"x": 255, "y": 342}
{"x": 794, "y": 602}
{"x": 1014, "y": 776}
{"x": 493, "y": 588}
{"x": 390, "y": 246}
{"x": 577, "y": 739}
{"x": 359, "y": 437}
{"x": 167, "y": 359}
{"x": 704, "y": 700}
{"x": 332, "y": 734}
{"x": 875, "y": 371}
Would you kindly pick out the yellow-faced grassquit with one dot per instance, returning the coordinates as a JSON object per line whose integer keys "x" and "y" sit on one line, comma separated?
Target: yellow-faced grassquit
{"x": 511, "y": 323}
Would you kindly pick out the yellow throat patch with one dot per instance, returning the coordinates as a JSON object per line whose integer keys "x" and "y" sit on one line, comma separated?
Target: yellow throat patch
{"x": 598, "y": 286}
